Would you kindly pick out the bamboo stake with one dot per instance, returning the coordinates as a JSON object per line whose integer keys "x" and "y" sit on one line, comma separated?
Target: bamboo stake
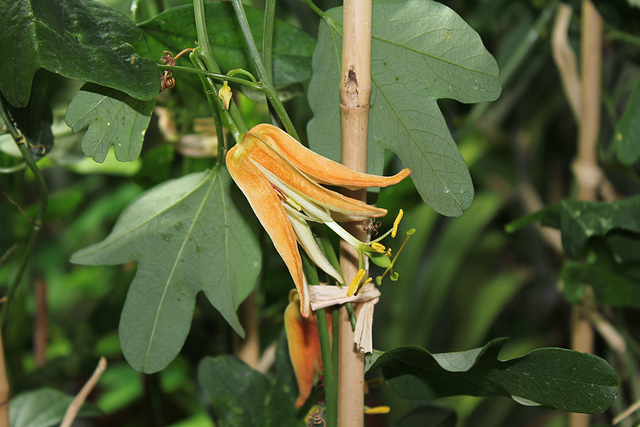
{"x": 585, "y": 168}
{"x": 355, "y": 91}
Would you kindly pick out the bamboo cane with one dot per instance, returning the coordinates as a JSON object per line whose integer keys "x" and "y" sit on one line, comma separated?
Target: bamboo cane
{"x": 355, "y": 91}
{"x": 585, "y": 167}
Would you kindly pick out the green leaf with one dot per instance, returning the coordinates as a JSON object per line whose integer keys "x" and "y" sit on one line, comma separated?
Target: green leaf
{"x": 609, "y": 286}
{"x": 625, "y": 140}
{"x": 43, "y": 408}
{"x": 113, "y": 117}
{"x": 83, "y": 40}
{"x": 553, "y": 377}
{"x": 421, "y": 52}
{"x": 579, "y": 221}
{"x": 174, "y": 30}
{"x": 188, "y": 235}
{"x": 241, "y": 396}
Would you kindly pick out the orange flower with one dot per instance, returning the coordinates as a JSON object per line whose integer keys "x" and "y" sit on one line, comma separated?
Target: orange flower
{"x": 281, "y": 179}
{"x": 304, "y": 347}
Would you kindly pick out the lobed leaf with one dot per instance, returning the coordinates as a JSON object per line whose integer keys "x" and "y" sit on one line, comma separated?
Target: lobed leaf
{"x": 422, "y": 51}
{"x": 553, "y": 377}
{"x": 83, "y": 40}
{"x": 113, "y": 118}
{"x": 188, "y": 235}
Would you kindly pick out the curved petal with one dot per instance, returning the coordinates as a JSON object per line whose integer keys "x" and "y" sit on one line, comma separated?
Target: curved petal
{"x": 319, "y": 168}
{"x": 267, "y": 206}
{"x": 302, "y": 337}
{"x": 285, "y": 172}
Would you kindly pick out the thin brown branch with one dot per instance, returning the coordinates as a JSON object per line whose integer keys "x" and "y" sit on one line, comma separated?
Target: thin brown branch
{"x": 4, "y": 388}
{"x": 565, "y": 59}
{"x": 41, "y": 325}
{"x": 78, "y": 401}
{"x": 627, "y": 412}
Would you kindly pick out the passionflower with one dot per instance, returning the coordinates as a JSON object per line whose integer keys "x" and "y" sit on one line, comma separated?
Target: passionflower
{"x": 282, "y": 181}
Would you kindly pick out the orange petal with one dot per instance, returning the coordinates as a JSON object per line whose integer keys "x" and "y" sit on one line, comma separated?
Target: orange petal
{"x": 267, "y": 206}
{"x": 346, "y": 208}
{"x": 319, "y": 168}
{"x": 304, "y": 345}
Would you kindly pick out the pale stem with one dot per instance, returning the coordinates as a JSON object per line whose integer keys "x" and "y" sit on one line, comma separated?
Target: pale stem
{"x": 78, "y": 401}
{"x": 585, "y": 168}
{"x": 355, "y": 90}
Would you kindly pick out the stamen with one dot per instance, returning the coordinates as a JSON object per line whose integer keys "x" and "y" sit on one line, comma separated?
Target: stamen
{"x": 356, "y": 281}
{"x": 378, "y": 247}
{"x": 377, "y": 410}
{"x": 396, "y": 223}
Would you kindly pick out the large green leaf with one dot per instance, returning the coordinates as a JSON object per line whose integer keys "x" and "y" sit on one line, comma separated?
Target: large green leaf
{"x": 113, "y": 117}
{"x": 625, "y": 140}
{"x": 174, "y": 30}
{"x": 43, "y": 408}
{"x": 580, "y": 221}
{"x": 188, "y": 235}
{"x": 421, "y": 52}
{"x": 82, "y": 40}
{"x": 553, "y": 377}
{"x": 611, "y": 284}
{"x": 241, "y": 396}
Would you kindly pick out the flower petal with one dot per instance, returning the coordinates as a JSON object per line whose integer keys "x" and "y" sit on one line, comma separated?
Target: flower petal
{"x": 304, "y": 345}
{"x": 319, "y": 168}
{"x": 308, "y": 242}
{"x": 267, "y": 206}
{"x": 284, "y": 174}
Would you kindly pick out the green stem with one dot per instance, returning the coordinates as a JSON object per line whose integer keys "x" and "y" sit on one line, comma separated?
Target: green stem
{"x": 215, "y": 103}
{"x": 267, "y": 39}
{"x": 37, "y": 222}
{"x": 264, "y": 77}
{"x": 203, "y": 59}
{"x": 215, "y": 76}
{"x": 331, "y": 393}
{"x": 13, "y": 169}
{"x": 332, "y": 23}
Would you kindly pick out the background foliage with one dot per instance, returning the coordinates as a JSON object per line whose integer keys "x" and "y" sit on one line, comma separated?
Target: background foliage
{"x": 464, "y": 281}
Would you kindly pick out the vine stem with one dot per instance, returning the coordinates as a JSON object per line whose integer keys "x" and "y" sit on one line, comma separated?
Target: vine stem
{"x": 33, "y": 233}
{"x": 263, "y": 74}
{"x": 355, "y": 92}
{"x": 585, "y": 168}
{"x": 37, "y": 222}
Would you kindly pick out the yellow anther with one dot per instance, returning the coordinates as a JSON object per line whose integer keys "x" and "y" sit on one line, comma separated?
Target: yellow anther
{"x": 353, "y": 286}
{"x": 396, "y": 223}
{"x": 377, "y": 410}
{"x": 225, "y": 95}
{"x": 378, "y": 247}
